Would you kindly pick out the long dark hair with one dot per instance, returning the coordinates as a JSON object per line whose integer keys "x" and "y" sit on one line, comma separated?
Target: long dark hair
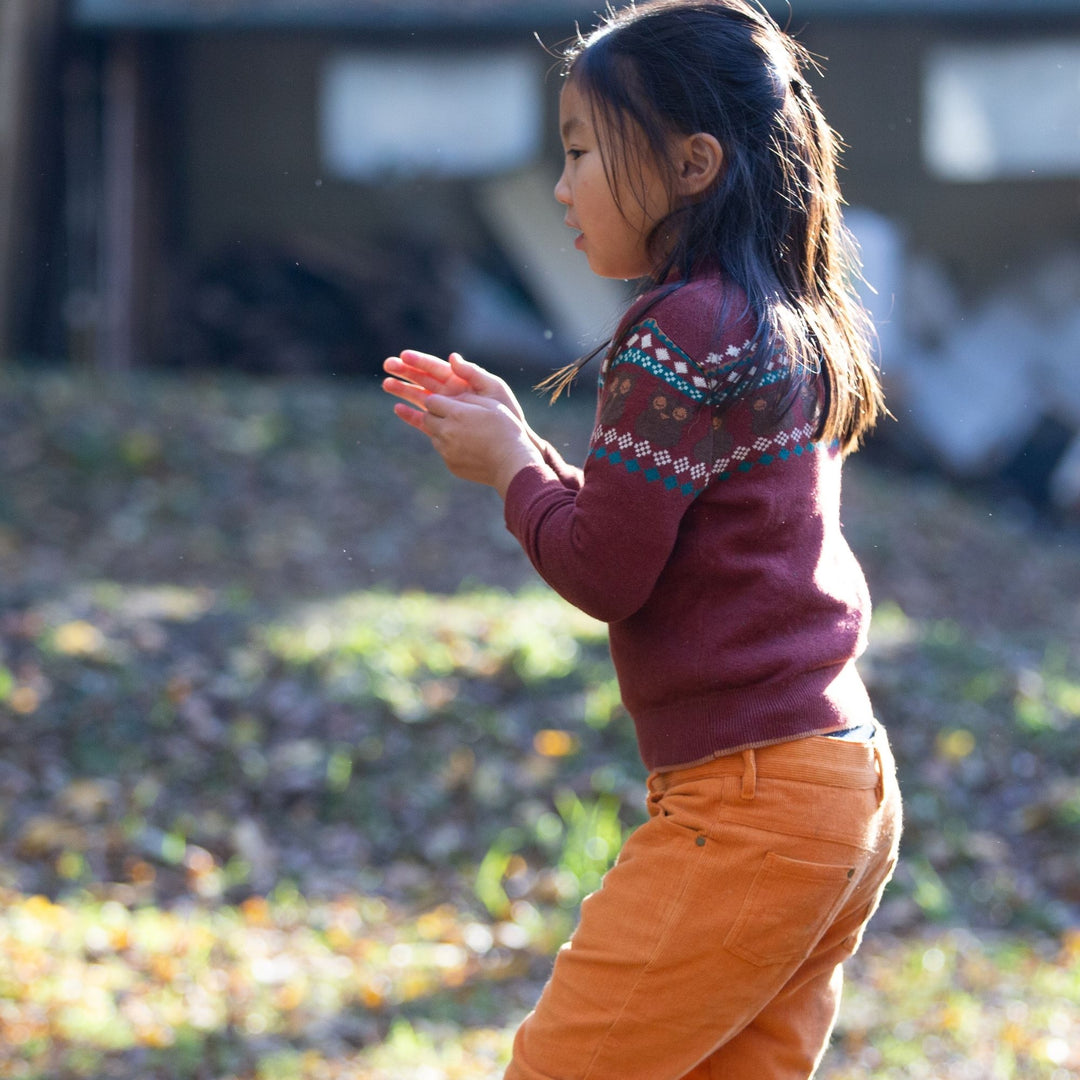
{"x": 772, "y": 221}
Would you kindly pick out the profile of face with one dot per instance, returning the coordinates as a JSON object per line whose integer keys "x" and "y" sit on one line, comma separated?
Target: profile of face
{"x": 615, "y": 196}
{"x": 613, "y": 225}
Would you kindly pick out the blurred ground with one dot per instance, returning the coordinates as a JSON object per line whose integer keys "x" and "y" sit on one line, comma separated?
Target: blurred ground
{"x": 300, "y": 776}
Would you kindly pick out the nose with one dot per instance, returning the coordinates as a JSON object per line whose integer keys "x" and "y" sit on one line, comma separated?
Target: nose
{"x": 562, "y": 190}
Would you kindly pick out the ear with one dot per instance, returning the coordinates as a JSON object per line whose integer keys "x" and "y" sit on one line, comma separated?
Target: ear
{"x": 699, "y": 159}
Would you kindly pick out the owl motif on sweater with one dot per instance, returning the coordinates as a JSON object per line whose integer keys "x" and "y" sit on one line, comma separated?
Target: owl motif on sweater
{"x": 776, "y": 405}
{"x": 615, "y": 399}
{"x": 717, "y": 443}
{"x": 765, "y": 405}
{"x": 662, "y": 423}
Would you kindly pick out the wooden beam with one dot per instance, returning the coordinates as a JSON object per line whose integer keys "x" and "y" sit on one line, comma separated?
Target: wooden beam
{"x": 26, "y": 29}
{"x": 117, "y": 342}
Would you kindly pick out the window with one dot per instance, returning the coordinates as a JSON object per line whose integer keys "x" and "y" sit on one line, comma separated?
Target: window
{"x": 1003, "y": 112}
{"x": 413, "y": 113}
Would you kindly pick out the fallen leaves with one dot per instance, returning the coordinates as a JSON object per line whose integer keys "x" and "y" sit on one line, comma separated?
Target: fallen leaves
{"x": 326, "y": 991}
{"x": 107, "y": 978}
{"x": 301, "y": 778}
{"x": 959, "y": 1004}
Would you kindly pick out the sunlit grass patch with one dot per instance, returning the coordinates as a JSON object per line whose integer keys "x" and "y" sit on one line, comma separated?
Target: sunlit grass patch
{"x": 555, "y": 860}
{"x": 960, "y": 1005}
{"x": 405, "y": 649}
{"x": 82, "y": 980}
{"x": 390, "y": 726}
{"x": 422, "y": 1052}
{"x": 269, "y": 809}
{"x": 434, "y": 1053}
{"x": 356, "y": 989}
{"x": 984, "y": 726}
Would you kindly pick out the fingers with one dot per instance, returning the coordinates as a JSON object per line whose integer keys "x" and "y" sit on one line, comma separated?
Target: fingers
{"x": 429, "y": 372}
{"x": 442, "y": 407}
{"x": 403, "y": 372}
{"x": 452, "y": 377}
{"x": 412, "y": 417}
{"x": 421, "y": 368}
{"x": 473, "y": 374}
{"x": 408, "y": 391}
{"x": 432, "y": 366}
{"x": 485, "y": 384}
{"x": 419, "y": 408}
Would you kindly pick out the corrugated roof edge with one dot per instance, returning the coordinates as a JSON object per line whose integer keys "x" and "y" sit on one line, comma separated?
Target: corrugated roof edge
{"x": 324, "y": 14}
{"x": 403, "y": 14}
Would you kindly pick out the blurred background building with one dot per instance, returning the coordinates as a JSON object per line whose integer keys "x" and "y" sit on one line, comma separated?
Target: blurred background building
{"x": 291, "y": 186}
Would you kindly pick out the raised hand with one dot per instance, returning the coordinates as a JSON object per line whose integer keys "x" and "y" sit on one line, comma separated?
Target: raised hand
{"x": 472, "y": 417}
{"x": 417, "y": 375}
{"x": 478, "y": 438}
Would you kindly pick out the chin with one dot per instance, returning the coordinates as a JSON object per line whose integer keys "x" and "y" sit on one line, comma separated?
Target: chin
{"x": 617, "y": 269}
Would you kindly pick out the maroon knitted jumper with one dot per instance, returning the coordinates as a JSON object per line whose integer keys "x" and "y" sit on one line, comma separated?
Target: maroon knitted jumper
{"x": 705, "y": 529}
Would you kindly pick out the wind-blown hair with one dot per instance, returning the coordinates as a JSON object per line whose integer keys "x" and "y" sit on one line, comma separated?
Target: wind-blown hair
{"x": 772, "y": 221}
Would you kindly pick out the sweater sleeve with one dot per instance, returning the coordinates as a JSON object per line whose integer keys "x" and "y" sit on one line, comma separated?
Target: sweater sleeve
{"x": 604, "y": 544}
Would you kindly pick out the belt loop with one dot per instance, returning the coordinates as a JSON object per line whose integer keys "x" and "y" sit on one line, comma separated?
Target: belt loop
{"x": 749, "y": 776}
{"x": 652, "y": 803}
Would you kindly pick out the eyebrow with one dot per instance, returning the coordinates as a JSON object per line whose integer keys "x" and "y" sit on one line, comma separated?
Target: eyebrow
{"x": 570, "y": 125}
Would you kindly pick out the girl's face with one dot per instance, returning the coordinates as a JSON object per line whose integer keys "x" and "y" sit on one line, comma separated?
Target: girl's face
{"x": 613, "y": 226}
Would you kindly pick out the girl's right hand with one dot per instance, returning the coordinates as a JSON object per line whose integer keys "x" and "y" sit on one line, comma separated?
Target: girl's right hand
{"x": 417, "y": 375}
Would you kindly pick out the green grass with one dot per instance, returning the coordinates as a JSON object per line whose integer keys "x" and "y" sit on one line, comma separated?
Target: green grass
{"x": 264, "y": 988}
{"x": 303, "y": 776}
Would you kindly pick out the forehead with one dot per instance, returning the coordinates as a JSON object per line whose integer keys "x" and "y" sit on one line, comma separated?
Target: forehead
{"x": 575, "y": 113}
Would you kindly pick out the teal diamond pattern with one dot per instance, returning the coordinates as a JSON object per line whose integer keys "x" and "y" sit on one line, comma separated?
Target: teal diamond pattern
{"x": 672, "y": 482}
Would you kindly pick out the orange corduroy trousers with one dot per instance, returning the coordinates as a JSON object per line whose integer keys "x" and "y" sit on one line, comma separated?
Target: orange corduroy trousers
{"x": 713, "y": 949}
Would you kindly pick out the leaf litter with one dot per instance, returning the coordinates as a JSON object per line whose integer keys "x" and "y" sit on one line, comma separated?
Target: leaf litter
{"x": 303, "y": 776}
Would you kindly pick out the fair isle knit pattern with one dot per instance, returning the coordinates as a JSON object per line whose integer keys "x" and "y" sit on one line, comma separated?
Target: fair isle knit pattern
{"x": 690, "y": 477}
{"x": 717, "y": 385}
{"x": 650, "y": 349}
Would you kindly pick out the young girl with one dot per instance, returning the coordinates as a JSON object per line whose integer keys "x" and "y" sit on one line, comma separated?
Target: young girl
{"x": 704, "y": 528}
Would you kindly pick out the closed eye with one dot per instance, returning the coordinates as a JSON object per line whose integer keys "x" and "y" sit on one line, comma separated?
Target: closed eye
{"x": 574, "y": 154}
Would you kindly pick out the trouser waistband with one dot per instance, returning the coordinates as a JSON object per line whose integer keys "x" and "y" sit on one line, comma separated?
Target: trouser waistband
{"x": 815, "y": 760}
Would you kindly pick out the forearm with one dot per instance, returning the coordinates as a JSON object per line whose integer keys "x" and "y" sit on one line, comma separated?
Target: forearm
{"x": 570, "y": 476}
{"x": 521, "y": 457}
{"x": 577, "y": 540}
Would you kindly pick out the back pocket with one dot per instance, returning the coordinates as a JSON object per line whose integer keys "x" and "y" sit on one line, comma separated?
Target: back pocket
{"x": 787, "y": 909}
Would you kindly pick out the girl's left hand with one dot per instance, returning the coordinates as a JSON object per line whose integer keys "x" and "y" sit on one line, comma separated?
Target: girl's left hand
{"x": 416, "y": 375}
{"x": 479, "y": 439}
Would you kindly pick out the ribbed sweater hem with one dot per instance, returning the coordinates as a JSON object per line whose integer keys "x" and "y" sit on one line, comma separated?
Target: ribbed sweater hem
{"x": 682, "y": 734}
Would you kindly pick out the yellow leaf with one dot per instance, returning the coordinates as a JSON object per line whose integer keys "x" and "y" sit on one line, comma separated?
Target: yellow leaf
{"x": 163, "y": 968}
{"x": 956, "y": 744}
{"x": 79, "y": 638}
{"x": 1015, "y": 1037}
{"x": 551, "y": 742}
{"x": 24, "y": 700}
{"x": 290, "y": 996}
{"x": 88, "y": 799}
{"x": 158, "y": 1037}
{"x": 437, "y": 923}
{"x": 45, "y": 834}
{"x": 42, "y": 908}
{"x": 256, "y": 911}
